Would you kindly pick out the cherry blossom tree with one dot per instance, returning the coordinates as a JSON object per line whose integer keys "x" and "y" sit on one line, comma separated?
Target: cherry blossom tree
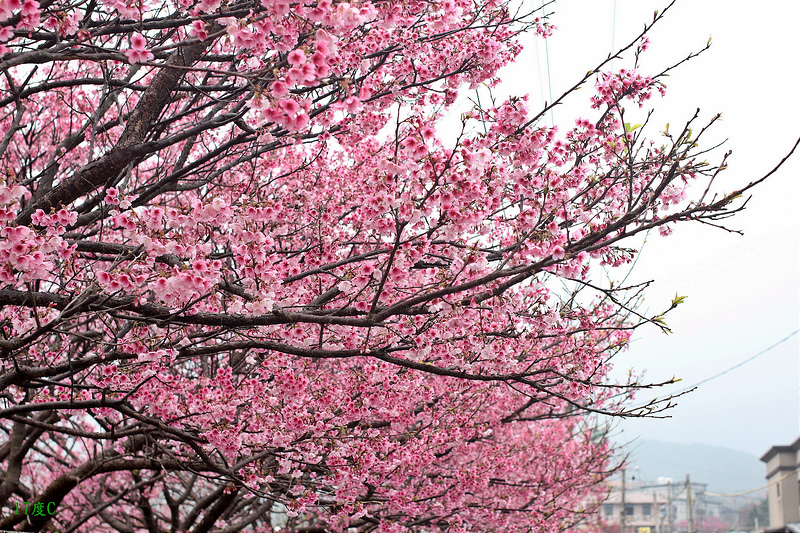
{"x": 246, "y": 286}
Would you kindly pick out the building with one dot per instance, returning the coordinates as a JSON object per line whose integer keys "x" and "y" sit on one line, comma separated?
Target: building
{"x": 644, "y": 511}
{"x": 658, "y": 508}
{"x": 783, "y": 492}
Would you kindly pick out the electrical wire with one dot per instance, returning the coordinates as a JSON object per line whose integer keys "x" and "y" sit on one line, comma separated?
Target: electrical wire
{"x": 538, "y": 63}
{"x": 742, "y": 493}
{"x": 734, "y": 367}
{"x": 483, "y": 114}
{"x": 549, "y": 81}
{"x": 613, "y": 33}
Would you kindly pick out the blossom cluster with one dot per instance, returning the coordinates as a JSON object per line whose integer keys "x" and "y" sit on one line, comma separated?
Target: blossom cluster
{"x": 627, "y": 84}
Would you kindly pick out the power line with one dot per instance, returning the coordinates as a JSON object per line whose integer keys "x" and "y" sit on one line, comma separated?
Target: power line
{"x": 742, "y": 493}
{"x": 613, "y": 32}
{"x": 547, "y": 55}
{"x": 539, "y": 64}
{"x": 483, "y": 115}
{"x": 734, "y": 367}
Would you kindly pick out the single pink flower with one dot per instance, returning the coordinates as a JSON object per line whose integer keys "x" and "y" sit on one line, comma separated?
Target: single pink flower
{"x": 279, "y": 89}
{"x": 30, "y": 7}
{"x": 297, "y": 58}
{"x": 138, "y": 42}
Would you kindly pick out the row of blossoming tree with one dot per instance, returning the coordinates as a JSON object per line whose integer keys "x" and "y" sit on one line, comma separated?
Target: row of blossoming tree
{"x": 245, "y": 285}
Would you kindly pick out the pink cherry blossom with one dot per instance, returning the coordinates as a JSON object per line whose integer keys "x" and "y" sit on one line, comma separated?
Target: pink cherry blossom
{"x": 138, "y": 53}
{"x": 297, "y": 58}
{"x": 30, "y": 7}
{"x": 138, "y": 56}
{"x": 279, "y": 89}
{"x": 138, "y": 42}
{"x": 199, "y": 30}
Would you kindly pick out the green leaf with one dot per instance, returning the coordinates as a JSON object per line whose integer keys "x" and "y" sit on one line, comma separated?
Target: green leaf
{"x": 678, "y": 300}
{"x": 629, "y": 128}
{"x": 659, "y": 321}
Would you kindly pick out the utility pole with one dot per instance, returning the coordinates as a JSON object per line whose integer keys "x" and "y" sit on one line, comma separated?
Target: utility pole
{"x": 689, "y": 503}
{"x": 658, "y": 512}
{"x": 622, "y": 510}
{"x": 669, "y": 506}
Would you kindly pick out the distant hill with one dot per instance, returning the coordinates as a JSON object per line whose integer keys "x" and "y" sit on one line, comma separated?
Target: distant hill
{"x": 723, "y": 469}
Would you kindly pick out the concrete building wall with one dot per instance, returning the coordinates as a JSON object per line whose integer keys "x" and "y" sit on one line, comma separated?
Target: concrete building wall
{"x": 784, "y": 484}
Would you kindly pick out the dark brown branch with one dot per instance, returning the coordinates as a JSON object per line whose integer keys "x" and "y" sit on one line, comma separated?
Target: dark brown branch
{"x": 129, "y": 146}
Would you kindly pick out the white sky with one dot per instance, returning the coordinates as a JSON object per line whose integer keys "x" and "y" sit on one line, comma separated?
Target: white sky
{"x": 743, "y": 291}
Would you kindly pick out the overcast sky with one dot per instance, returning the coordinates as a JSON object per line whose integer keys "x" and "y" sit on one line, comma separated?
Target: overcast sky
{"x": 743, "y": 291}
